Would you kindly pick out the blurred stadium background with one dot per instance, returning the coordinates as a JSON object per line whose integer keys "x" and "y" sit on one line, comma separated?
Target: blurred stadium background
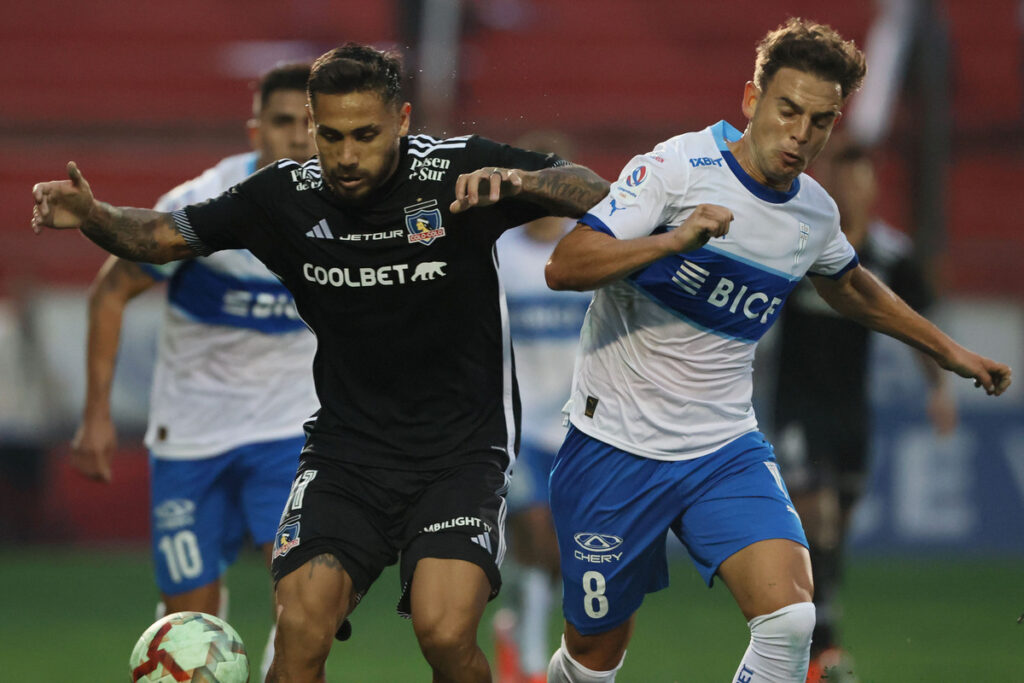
{"x": 146, "y": 95}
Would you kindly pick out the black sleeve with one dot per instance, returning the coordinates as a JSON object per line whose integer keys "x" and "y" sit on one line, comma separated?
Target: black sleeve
{"x": 908, "y": 281}
{"x": 228, "y": 221}
{"x": 491, "y": 153}
{"x": 482, "y": 152}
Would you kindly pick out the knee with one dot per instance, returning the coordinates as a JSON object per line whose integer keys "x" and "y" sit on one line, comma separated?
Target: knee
{"x": 444, "y": 644}
{"x": 304, "y": 630}
{"x": 785, "y": 630}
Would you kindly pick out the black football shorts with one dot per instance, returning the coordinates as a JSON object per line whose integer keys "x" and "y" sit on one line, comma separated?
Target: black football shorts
{"x": 370, "y": 518}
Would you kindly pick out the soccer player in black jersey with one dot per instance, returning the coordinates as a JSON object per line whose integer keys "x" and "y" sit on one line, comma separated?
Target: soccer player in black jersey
{"x": 408, "y": 458}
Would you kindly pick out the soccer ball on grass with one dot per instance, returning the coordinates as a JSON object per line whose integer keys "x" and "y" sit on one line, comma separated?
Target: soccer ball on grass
{"x": 189, "y": 646}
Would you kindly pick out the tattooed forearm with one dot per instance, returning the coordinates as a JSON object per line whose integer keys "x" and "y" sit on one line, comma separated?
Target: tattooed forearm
{"x": 136, "y": 234}
{"x": 565, "y": 190}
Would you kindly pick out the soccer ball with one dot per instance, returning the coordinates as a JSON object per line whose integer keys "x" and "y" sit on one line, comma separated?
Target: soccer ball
{"x": 189, "y": 646}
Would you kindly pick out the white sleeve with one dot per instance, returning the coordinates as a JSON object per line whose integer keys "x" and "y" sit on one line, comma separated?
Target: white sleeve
{"x": 641, "y": 199}
{"x": 837, "y": 257}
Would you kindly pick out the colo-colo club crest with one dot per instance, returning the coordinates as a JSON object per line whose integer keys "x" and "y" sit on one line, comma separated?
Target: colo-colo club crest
{"x": 423, "y": 221}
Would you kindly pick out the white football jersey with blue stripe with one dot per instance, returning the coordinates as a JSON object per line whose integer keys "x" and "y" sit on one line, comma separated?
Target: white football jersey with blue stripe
{"x": 664, "y": 368}
{"x": 234, "y": 363}
{"x": 545, "y": 327}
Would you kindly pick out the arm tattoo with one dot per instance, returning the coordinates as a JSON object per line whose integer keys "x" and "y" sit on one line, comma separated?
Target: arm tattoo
{"x": 136, "y": 234}
{"x": 566, "y": 190}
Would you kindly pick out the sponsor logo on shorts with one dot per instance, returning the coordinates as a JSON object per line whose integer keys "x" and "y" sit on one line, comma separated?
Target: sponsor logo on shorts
{"x": 175, "y": 513}
{"x": 596, "y": 548}
{"x": 457, "y": 522}
{"x": 287, "y": 537}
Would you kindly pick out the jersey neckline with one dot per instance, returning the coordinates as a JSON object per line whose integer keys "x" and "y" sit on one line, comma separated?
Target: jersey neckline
{"x": 724, "y": 132}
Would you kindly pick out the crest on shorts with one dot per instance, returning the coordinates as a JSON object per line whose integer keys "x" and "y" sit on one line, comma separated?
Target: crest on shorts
{"x": 287, "y": 537}
{"x": 423, "y": 221}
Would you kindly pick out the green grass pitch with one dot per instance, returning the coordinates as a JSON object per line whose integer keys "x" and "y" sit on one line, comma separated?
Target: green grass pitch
{"x": 73, "y": 616}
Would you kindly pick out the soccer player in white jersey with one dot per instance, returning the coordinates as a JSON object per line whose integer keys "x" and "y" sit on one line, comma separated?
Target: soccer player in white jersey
{"x": 232, "y": 384}
{"x": 692, "y": 254}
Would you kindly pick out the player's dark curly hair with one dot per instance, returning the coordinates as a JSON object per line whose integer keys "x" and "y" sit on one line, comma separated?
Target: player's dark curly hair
{"x": 812, "y": 47}
{"x": 357, "y": 68}
{"x": 283, "y": 77}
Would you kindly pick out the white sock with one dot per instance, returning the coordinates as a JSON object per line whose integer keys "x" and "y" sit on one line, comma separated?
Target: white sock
{"x": 534, "y": 612}
{"x": 564, "y": 669}
{"x": 268, "y": 654}
{"x": 780, "y": 646}
{"x": 222, "y": 607}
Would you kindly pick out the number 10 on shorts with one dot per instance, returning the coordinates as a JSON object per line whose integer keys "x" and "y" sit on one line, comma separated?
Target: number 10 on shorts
{"x": 594, "y": 602}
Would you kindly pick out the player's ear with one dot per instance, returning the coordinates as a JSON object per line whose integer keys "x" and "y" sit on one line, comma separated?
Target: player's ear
{"x": 252, "y": 130}
{"x": 751, "y": 95}
{"x": 403, "y": 123}
{"x": 309, "y": 120}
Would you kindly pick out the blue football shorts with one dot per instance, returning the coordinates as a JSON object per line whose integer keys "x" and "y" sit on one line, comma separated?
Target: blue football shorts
{"x": 613, "y": 510}
{"x": 529, "y": 486}
{"x": 202, "y": 510}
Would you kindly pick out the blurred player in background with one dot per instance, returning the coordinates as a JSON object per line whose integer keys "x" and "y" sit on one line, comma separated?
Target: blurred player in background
{"x": 663, "y": 432}
{"x": 821, "y": 418}
{"x": 386, "y": 240}
{"x": 232, "y": 385}
{"x": 545, "y": 328}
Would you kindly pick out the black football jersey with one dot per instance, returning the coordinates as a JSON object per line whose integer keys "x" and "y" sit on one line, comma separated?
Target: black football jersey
{"x": 413, "y": 367}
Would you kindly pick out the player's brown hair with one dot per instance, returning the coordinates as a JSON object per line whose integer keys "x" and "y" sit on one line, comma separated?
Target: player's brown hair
{"x": 357, "y": 68}
{"x": 812, "y": 47}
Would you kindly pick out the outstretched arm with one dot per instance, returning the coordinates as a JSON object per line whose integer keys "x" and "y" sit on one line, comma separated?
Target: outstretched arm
{"x": 95, "y": 441}
{"x": 587, "y": 259}
{"x": 563, "y": 190}
{"x": 861, "y": 296}
{"x": 133, "y": 234}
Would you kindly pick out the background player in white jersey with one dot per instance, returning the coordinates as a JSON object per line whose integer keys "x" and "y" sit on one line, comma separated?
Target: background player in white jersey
{"x": 545, "y": 328}
{"x": 232, "y": 384}
{"x": 822, "y": 429}
{"x": 663, "y": 433}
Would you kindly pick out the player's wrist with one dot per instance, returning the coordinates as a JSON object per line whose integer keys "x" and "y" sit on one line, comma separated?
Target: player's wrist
{"x": 530, "y": 185}
{"x": 96, "y": 411}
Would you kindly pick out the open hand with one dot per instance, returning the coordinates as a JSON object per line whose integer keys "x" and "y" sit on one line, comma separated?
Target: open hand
{"x": 62, "y": 204}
